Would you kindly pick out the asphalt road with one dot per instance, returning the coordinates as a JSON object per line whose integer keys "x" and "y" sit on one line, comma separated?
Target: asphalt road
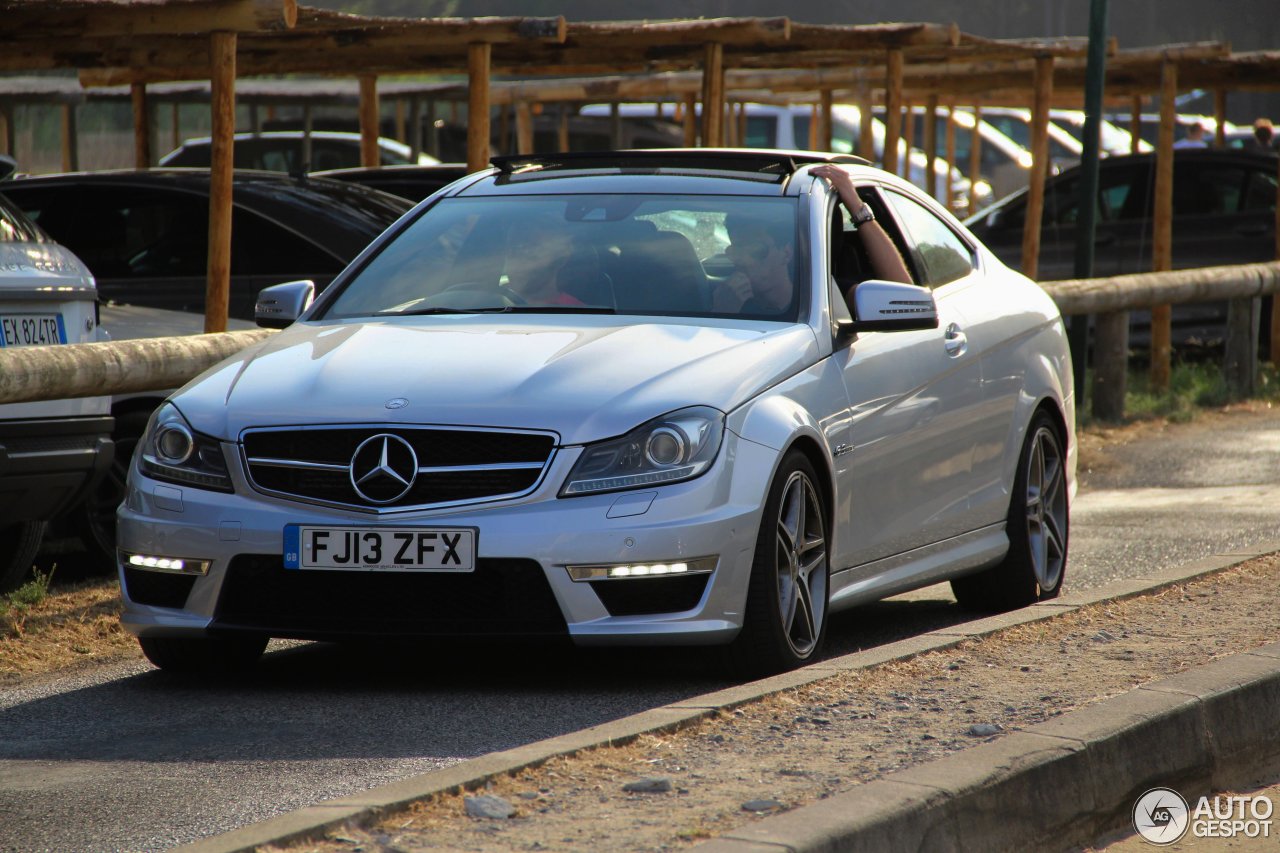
{"x": 126, "y": 758}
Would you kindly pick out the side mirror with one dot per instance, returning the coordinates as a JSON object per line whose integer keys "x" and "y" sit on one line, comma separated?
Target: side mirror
{"x": 887, "y": 306}
{"x": 279, "y": 305}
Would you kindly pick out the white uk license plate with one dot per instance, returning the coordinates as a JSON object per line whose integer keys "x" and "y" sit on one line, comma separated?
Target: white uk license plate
{"x": 386, "y": 549}
{"x": 31, "y": 330}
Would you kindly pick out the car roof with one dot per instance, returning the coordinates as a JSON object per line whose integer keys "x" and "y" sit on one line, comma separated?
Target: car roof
{"x": 728, "y": 171}
{"x": 332, "y": 213}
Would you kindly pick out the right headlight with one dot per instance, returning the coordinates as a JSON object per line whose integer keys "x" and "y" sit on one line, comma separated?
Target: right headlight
{"x": 674, "y": 447}
{"x": 173, "y": 452}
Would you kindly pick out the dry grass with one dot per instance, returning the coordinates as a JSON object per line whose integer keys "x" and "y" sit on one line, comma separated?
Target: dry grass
{"x": 66, "y": 627}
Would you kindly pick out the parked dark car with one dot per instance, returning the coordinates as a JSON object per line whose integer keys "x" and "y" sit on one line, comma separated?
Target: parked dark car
{"x": 1223, "y": 213}
{"x": 145, "y": 234}
{"x": 286, "y": 151}
{"x": 409, "y": 182}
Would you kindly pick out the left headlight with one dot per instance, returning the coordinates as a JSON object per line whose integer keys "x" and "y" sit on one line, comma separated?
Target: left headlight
{"x": 675, "y": 447}
{"x": 175, "y": 453}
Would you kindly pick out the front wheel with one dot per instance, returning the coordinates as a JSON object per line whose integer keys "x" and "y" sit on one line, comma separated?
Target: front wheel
{"x": 203, "y": 655}
{"x": 1037, "y": 527}
{"x": 785, "y": 621}
{"x": 19, "y": 543}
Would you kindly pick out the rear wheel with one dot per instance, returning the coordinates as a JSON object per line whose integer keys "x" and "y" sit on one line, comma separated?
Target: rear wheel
{"x": 785, "y": 621}
{"x": 207, "y": 655}
{"x": 18, "y": 546}
{"x": 1037, "y": 527}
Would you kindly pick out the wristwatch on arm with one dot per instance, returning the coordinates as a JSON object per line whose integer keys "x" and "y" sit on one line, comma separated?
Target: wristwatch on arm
{"x": 865, "y": 214}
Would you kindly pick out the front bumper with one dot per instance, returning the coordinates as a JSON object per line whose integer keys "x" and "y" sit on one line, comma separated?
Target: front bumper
{"x": 521, "y": 585}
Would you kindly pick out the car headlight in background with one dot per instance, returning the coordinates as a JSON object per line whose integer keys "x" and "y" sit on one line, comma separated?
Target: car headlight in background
{"x": 173, "y": 452}
{"x": 675, "y": 447}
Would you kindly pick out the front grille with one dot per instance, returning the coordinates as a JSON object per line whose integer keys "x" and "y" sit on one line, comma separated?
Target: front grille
{"x": 499, "y": 598}
{"x": 646, "y": 596}
{"x": 315, "y": 465}
{"x": 157, "y": 589}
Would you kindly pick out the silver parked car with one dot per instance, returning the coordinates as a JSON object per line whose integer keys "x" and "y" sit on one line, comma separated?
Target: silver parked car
{"x": 525, "y": 410}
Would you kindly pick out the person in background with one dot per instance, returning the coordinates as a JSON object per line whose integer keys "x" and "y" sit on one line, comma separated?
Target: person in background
{"x": 1194, "y": 138}
{"x": 1263, "y": 141}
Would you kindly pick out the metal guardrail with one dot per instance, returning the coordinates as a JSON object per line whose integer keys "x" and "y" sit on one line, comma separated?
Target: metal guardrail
{"x": 118, "y": 367}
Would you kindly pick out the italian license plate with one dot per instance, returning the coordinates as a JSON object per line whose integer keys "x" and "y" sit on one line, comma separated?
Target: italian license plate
{"x": 385, "y": 549}
{"x": 31, "y": 330}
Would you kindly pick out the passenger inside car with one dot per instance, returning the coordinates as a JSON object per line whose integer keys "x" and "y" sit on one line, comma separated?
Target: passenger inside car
{"x": 538, "y": 251}
{"x": 763, "y": 281}
{"x": 873, "y": 255}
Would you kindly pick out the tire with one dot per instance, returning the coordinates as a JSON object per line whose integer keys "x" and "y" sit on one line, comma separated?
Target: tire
{"x": 1038, "y": 529}
{"x": 18, "y": 546}
{"x": 94, "y": 519}
{"x": 203, "y": 655}
{"x": 785, "y": 620}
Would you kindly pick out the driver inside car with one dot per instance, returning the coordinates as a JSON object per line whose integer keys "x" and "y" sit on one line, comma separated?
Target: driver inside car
{"x": 537, "y": 251}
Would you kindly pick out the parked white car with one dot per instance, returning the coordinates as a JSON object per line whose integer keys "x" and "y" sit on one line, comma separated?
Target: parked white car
{"x": 51, "y": 451}
{"x": 521, "y": 412}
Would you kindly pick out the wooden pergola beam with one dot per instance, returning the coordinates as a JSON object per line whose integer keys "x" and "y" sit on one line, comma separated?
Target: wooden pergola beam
{"x": 25, "y": 22}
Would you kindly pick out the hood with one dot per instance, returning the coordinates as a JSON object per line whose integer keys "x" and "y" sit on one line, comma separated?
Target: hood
{"x": 585, "y": 378}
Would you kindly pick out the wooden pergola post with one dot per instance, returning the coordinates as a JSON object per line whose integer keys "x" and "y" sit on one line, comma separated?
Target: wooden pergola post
{"x": 1135, "y": 125}
{"x": 369, "y": 130}
{"x": 908, "y": 137}
{"x": 713, "y": 96}
{"x": 975, "y": 157}
{"x": 824, "y": 120}
{"x": 141, "y": 126}
{"x": 478, "y": 58}
{"x": 7, "y": 144}
{"x": 690, "y": 121}
{"x": 814, "y": 121}
{"x": 931, "y": 145}
{"x": 307, "y": 123}
{"x": 401, "y": 121}
{"x": 1220, "y": 118}
{"x": 1162, "y": 236}
{"x": 1275, "y": 301}
{"x": 951, "y": 154}
{"x": 524, "y": 128}
{"x": 1039, "y": 166}
{"x": 562, "y": 128}
{"x": 892, "y": 109}
{"x": 415, "y": 127}
{"x": 222, "y": 103}
{"x": 176, "y": 125}
{"x": 70, "y": 144}
{"x": 866, "y": 124}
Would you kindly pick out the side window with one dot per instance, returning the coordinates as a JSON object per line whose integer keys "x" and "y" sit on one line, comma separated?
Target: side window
{"x": 762, "y": 132}
{"x": 262, "y": 247}
{"x": 940, "y": 255}
{"x": 1208, "y": 191}
{"x": 1260, "y": 193}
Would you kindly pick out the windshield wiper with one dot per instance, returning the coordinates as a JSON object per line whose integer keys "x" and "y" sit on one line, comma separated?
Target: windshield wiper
{"x": 435, "y": 309}
{"x": 507, "y": 309}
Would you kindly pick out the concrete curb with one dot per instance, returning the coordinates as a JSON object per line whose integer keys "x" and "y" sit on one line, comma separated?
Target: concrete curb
{"x": 1014, "y": 787}
{"x": 1058, "y": 784}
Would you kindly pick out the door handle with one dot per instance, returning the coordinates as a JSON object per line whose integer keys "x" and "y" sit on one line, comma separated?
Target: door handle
{"x": 954, "y": 341}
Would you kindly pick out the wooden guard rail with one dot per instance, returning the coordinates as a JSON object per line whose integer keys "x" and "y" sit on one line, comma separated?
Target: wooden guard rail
{"x": 117, "y": 367}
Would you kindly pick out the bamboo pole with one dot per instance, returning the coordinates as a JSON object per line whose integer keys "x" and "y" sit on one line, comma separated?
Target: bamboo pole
{"x": 975, "y": 157}
{"x": 931, "y": 145}
{"x": 369, "y": 130}
{"x": 713, "y": 95}
{"x": 141, "y": 126}
{"x": 1162, "y": 236}
{"x": 892, "y": 109}
{"x": 1039, "y": 167}
{"x": 70, "y": 143}
{"x": 524, "y": 128}
{"x": 222, "y": 103}
{"x": 478, "y": 59}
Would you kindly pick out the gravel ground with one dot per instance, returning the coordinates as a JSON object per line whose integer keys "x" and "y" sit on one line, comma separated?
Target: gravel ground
{"x": 668, "y": 792}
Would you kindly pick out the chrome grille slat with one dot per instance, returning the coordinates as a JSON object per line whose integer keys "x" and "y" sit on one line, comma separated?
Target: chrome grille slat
{"x": 455, "y": 465}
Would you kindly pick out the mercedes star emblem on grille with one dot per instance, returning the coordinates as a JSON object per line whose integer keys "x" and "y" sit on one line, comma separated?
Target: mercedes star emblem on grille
{"x": 383, "y": 468}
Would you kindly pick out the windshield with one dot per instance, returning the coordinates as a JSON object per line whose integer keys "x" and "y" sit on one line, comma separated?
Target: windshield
{"x": 704, "y": 256}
